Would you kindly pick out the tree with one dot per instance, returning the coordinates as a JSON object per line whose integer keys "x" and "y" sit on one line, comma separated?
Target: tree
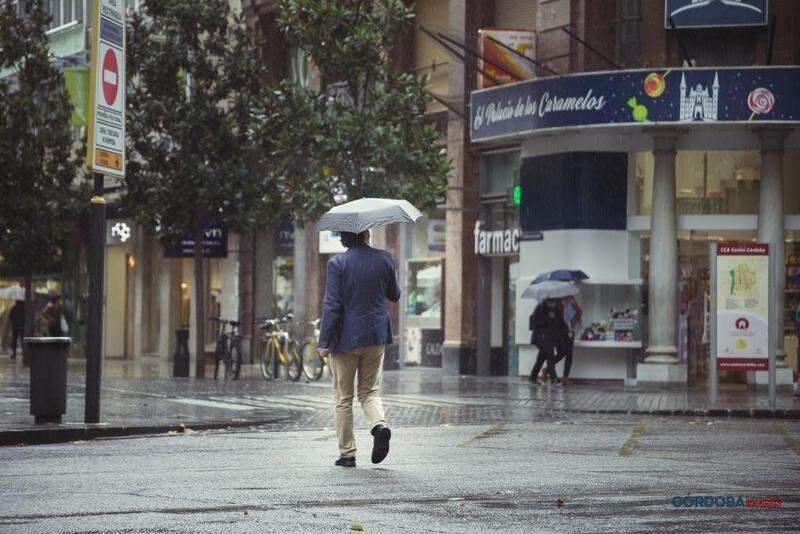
{"x": 39, "y": 197}
{"x": 193, "y": 81}
{"x": 362, "y": 131}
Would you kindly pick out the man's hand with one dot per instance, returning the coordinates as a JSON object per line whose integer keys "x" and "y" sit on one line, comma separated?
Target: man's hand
{"x": 323, "y": 352}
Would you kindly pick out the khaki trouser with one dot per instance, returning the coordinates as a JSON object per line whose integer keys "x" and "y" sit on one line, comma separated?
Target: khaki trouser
{"x": 367, "y": 362}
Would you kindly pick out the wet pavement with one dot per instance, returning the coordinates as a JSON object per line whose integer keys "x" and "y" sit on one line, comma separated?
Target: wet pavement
{"x": 136, "y": 395}
{"x": 571, "y": 473}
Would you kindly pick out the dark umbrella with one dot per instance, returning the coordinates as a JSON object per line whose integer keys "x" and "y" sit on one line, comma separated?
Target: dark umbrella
{"x": 561, "y": 275}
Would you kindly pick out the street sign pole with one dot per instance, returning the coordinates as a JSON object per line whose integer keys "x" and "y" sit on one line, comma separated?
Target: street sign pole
{"x": 105, "y": 156}
{"x": 713, "y": 379}
{"x": 94, "y": 334}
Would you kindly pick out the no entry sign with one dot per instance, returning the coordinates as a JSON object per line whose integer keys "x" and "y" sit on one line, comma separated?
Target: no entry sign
{"x": 106, "y": 147}
{"x": 110, "y": 77}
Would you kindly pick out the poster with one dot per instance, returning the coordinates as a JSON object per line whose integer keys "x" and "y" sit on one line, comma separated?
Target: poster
{"x": 743, "y": 306}
{"x": 503, "y": 64}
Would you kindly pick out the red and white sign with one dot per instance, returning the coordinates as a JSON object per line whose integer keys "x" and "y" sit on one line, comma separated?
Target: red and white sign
{"x": 110, "y": 77}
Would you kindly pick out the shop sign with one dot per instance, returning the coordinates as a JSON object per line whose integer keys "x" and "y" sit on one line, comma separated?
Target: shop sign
{"x": 286, "y": 237}
{"x": 437, "y": 235}
{"x": 106, "y": 135}
{"x": 715, "y": 13}
{"x": 637, "y": 98}
{"x": 496, "y": 242}
{"x": 119, "y": 232}
{"x": 215, "y": 244}
{"x": 742, "y": 306}
{"x": 498, "y": 59}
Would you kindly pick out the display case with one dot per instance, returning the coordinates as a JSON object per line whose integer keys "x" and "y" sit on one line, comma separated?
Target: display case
{"x": 612, "y": 314}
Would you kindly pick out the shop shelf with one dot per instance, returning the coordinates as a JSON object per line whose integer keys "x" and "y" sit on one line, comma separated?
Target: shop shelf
{"x": 609, "y": 344}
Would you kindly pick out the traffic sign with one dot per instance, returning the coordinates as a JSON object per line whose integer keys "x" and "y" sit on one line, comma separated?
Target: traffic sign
{"x": 106, "y": 136}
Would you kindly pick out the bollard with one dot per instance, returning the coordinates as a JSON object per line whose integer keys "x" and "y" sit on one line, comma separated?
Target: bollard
{"x": 180, "y": 360}
{"x": 48, "y": 357}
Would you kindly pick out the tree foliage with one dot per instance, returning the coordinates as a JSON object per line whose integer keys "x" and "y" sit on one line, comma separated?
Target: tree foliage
{"x": 39, "y": 197}
{"x": 193, "y": 81}
{"x": 361, "y": 131}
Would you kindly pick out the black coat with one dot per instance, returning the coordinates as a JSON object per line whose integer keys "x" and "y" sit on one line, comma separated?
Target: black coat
{"x": 17, "y": 316}
{"x": 548, "y": 326}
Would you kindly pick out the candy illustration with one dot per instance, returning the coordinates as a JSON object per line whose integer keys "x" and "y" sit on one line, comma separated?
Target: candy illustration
{"x": 639, "y": 111}
{"x": 654, "y": 85}
{"x": 760, "y": 101}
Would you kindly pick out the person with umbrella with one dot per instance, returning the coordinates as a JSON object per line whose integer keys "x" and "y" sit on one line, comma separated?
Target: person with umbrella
{"x": 548, "y": 326}
{"x": 355, "y": 327}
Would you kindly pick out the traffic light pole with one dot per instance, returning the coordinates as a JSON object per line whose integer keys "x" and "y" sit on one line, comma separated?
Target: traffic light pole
{"x": 94, "y": 334}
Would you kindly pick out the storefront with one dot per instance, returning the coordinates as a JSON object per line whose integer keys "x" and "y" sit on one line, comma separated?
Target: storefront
{"x": 628, "y": 175}
{"x": 496, "y": 246}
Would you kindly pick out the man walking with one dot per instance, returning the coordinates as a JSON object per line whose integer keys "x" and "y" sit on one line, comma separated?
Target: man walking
{"x": 355, "y": 330}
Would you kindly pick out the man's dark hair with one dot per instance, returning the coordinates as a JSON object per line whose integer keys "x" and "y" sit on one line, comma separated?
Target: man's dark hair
{"x": 55, "y": 299}
{"x": 350, "y": 240}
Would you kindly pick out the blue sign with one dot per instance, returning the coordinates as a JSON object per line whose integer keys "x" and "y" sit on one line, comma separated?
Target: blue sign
{"x": 637, "y": 97}
{"x": 215, "y": 244}
{"x": 715, "y": 13}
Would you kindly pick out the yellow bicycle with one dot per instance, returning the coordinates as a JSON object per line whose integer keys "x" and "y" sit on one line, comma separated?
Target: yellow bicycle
{"x": 276, "y": 347}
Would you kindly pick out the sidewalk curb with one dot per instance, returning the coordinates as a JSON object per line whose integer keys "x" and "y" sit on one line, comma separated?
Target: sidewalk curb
{"x": 46, "y": 436}
{"x": 710, "y": 412}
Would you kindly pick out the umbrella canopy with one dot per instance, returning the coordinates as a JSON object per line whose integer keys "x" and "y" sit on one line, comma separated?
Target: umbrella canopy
{"x": 561, "y": 275}
{"x": 550, "y": 290}
{"x": 366, "y": 213}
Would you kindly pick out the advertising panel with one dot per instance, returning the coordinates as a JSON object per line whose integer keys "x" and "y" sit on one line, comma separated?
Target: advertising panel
{"x": 501, "y": 63}
{"x": 742, "y": 306}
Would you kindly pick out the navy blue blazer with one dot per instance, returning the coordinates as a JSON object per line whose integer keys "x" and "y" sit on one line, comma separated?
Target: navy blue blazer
{"x": 354, "y": 309}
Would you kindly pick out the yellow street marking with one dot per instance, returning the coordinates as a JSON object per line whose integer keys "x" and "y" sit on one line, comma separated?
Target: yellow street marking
{"x": 493, "y": 431}
{"x": 789, "y": 440}
{"x": 633, "y": 439}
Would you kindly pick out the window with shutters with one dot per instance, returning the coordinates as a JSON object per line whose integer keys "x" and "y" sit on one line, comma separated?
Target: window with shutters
{"x": 629, "y": 39}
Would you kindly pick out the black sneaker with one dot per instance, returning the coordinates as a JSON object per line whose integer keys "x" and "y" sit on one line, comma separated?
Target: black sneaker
{"x": 534, "y": 381}
{"x": 380, "y": 447}
{"x": 345, "y": 461}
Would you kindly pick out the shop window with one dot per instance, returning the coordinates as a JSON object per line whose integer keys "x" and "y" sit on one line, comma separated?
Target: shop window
{"x": 499, "y": 172}
{"x": 424, "y": 293}
{"x": 64, "y": 12}
{"x": 715, "y": 182}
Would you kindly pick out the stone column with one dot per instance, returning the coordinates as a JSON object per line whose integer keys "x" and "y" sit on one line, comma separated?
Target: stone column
{"x": 663, "y": 279}
{"x": 771, "y": 222}
{"x": 460, "y": 268}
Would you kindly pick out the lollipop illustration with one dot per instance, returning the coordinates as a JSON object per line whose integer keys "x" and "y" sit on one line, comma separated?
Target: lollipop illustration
{"x": 654, "y": 85}
{"x": 760, "y": 101}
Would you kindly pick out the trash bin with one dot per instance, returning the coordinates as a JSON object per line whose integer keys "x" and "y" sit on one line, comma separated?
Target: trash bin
{"x": 180, "y": 360}
{"x": 48, "y": 357}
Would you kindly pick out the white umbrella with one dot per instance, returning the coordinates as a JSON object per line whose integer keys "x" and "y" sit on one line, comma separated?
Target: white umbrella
{"x": 366, "y": 213}
{"x": 550, "y": 290}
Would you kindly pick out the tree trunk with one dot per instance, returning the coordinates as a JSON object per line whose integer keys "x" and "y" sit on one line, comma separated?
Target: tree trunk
{"x": 29, "y": 317}
{"x": 200, "y": 305}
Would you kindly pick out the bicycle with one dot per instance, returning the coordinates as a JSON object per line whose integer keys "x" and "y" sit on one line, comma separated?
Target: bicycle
{"x": 277, "y": 346}
{"x": 228, "y": 349}
{"x": 313, "y": 363}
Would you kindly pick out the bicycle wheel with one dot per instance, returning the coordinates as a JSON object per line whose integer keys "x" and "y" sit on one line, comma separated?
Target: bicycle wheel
{"x": 267, "y": 359}
{"x": 294, "y": 369}
{"x": 312, "y": 362}
{"x": 235, "y": 360}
